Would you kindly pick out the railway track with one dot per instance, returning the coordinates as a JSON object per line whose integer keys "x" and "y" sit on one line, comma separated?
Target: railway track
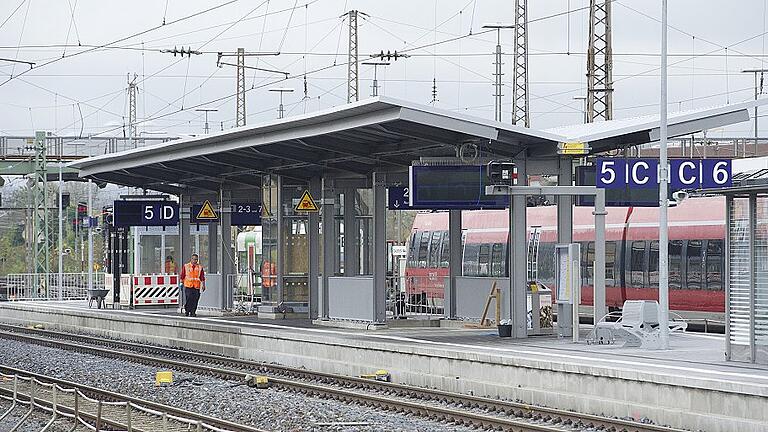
{"x": 88, "y": 408}
{"x": 438, "y": 405}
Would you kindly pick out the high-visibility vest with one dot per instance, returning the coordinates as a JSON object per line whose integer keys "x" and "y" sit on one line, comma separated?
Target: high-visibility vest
{"x": 192, "y": 275}
{"x": 267, "y": 270}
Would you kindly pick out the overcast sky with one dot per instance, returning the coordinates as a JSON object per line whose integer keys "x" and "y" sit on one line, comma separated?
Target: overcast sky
{"x": 311, "y": 36}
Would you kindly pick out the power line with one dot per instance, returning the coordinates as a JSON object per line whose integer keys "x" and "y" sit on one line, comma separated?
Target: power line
{"x": 196, "y": 14}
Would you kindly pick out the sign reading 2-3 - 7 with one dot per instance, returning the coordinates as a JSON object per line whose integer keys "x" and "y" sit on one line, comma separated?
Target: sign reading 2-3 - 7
{"x": 615, "y": 173}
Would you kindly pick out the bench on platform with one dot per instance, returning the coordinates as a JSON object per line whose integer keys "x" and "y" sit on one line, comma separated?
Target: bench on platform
{"x": 637, "y": 325}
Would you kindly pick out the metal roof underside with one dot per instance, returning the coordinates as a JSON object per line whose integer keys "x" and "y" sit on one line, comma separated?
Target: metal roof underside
{"x": 379, "y": 134}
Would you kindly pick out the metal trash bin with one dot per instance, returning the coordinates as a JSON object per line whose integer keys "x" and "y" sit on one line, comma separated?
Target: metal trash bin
{"x": 505, "y": 330}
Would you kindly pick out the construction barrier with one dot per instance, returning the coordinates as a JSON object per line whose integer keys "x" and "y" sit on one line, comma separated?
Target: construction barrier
{"x": 155, "y": 289}
{"x": 125, "y": 290}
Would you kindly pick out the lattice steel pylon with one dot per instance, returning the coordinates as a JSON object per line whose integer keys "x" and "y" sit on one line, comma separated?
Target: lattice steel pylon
{"x": 41, "y": 237}
{"x": 132, "y": 130}
{"x": 352, "y": 59}
{"x": 599, "y": 62}
{"x": 520, "y": 97}
{"x": 240, "y": 104}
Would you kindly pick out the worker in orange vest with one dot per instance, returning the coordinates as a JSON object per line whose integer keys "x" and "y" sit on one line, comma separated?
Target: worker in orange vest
{"x": 193, "y": 277}
{"x": 268, "y": 273}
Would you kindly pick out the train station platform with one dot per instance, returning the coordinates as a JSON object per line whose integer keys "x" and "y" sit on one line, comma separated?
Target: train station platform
{"x": 690, "y": 386}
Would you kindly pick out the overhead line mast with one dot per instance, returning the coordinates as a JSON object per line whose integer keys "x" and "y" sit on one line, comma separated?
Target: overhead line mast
{"x": 599, "y": 62}
{"x": 520, "y": 97}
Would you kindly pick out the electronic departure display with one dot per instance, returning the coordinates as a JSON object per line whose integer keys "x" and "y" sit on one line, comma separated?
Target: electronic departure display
{"x": 457, "y": 187}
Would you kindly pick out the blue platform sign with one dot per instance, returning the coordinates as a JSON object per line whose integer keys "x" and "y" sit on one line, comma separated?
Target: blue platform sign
{"x": 246, "y": 213}
{"x": 242, "y": 214}
{"x": 398, "y": 199}
{"x": 146, "y": 213}
{"x": 618, "y": 173}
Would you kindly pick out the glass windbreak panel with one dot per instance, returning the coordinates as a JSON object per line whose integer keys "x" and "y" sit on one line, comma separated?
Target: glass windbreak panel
{"x": 469, "y": 267}
{"x": 547, "y": 264}
{"x": 675, "y": 264}
{"x": 610, "y": 263}
{"x": 497, "y": 268}
{"x": 715, "y": 263}
{"x": 637, "y": 265}
{"x": 590, "y": 258}
{"x": 415, "y": 237}
{"x": 483, "y": 260}
{"x": 445, "y": 251}
{"x": 695, "y": 263}
{"x": 423, "y": 250}
{"x": 653, "y": 265}
{"x": 739, "y": 232}
{"x": 151, "y": 254}
{"x": 434, "y": 248}
{"x": 172, "y": 250}
{"x": 761, "y": 272}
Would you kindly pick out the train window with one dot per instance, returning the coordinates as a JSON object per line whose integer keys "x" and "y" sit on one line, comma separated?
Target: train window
{"x": 653, "y": 264}
{"x": 424, "y": 249}
{"x": 610, "y": 263}
{"x": 434, "y": 248}
{"x": 637, "y": 264}
{"x": 469, "y": 267}
{"x": 715, "y": 265}
{"x": 695, "y": 263}
{"x": 497, "y": 260}
{"x": 675, "y": 264}
{"x": 445, "y": 252}
{"x": 483, "y": 260}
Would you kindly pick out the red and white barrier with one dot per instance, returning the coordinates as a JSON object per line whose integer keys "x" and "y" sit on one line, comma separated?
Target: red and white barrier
{"x": 155, "y": 289}
{"x": 125, "y": 289}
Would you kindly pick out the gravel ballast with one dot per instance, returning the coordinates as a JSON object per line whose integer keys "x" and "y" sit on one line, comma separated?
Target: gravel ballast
{"x": 230, "y": 400}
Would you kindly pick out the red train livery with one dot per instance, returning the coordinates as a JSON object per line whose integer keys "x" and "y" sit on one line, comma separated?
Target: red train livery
{"x": 696, "y": 253}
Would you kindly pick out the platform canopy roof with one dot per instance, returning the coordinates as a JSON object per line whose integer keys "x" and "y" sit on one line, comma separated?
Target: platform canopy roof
{"x": 379, "y": 134}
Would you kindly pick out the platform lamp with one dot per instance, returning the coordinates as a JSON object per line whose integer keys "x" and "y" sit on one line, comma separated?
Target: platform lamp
{"x": 281, "y": 90}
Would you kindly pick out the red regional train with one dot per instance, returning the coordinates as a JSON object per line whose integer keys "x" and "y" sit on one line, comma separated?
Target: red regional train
{"x": 696, "y": 253}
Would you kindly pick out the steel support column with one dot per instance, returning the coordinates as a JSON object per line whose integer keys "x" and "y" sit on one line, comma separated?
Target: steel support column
{"x": 598, "y": 286}
{"x": 518, "y": 271}
{"x": 213, "y": 247}
{"x": 379, "y": 248}
{"x": 351, "y": 242}
{"x": 454, "y": 267}
{"x": 564, "y": 236}
{"x": 329, "y": 243}
{"x": 225, "y": 247}
{"x": 752, "y": 275}
{"x": 313, "y": 232}
{"x": 280, "y": 288}
{"x": 727, "y": 275}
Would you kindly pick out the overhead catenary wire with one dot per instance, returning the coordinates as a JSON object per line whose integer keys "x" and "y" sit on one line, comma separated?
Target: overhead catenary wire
{"x": 185, "y": 18}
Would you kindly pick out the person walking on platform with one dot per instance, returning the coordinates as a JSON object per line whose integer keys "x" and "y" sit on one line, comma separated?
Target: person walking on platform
{"x": 193, "y": 277}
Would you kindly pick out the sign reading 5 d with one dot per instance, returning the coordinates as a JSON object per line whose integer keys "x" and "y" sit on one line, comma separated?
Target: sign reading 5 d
{"x": 146, "y": 213}
{"x": 644, "y": 173}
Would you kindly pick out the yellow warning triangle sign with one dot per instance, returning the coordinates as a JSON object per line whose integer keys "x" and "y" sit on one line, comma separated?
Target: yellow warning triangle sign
{"x": 206, "y": 212}
{"x": 306, "y": 203}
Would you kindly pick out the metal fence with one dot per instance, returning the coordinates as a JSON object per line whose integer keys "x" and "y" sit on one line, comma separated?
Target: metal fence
{"x": 415, "y": 297}
{"x": 31, "y": 286}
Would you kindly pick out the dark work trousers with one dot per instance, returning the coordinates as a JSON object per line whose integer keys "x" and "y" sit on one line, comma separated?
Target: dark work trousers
{"x": 191, "y": 296}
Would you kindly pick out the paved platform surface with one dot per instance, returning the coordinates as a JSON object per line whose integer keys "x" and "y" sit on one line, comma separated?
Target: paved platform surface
{"x": 689, "y": 386}
{"x": 691, "y": 354}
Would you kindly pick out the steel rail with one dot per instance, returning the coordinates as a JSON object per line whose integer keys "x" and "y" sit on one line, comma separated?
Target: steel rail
{"x": 117, "y": 411}
{"x": 245, "y": 369}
